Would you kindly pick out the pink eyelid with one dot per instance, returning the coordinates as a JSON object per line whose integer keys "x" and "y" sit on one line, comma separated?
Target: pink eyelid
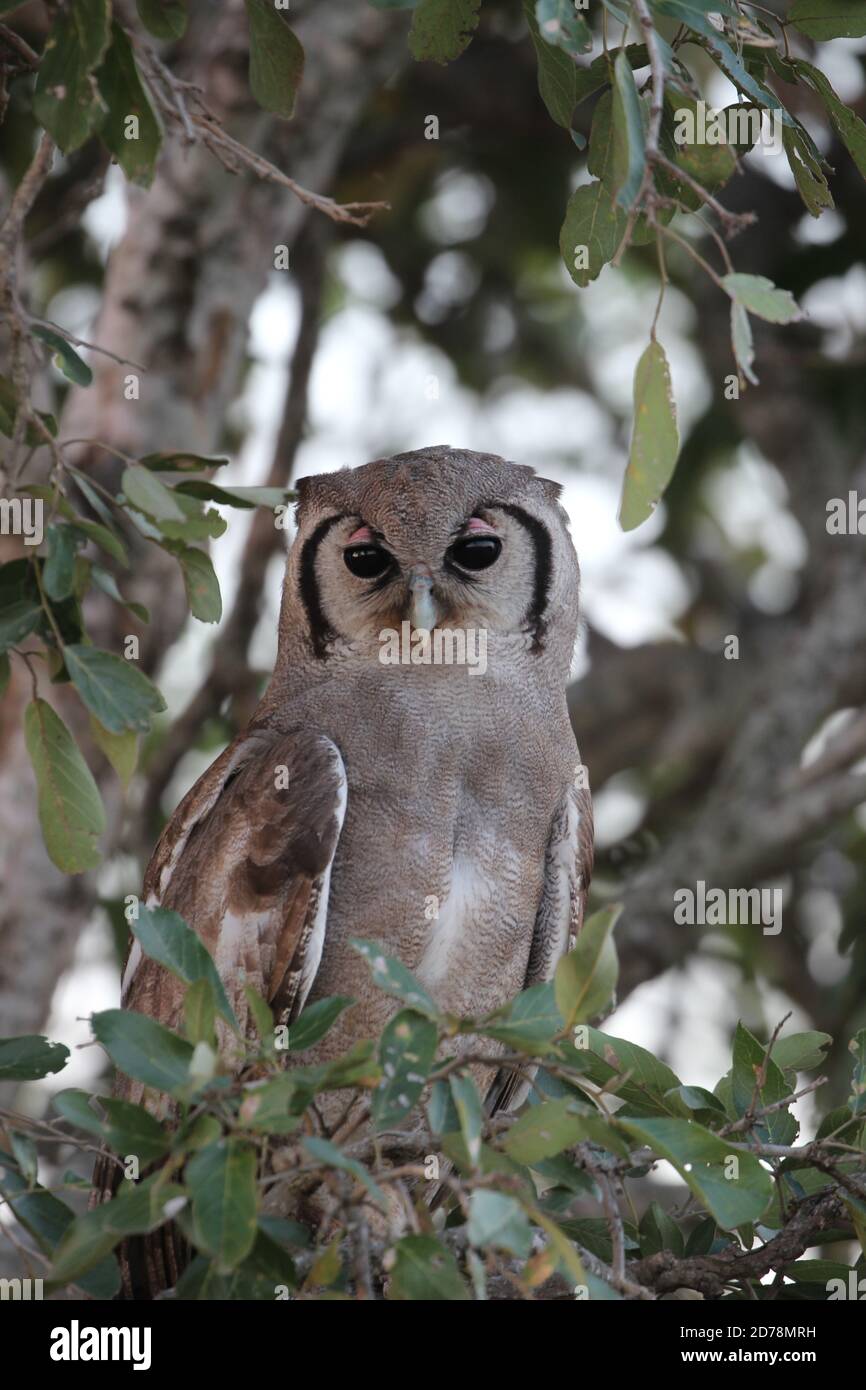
{"x": 362, "y": 534}
{"x": 478, "y": 527}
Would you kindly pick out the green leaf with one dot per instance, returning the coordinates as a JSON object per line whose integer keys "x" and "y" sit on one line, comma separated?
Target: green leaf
{"x": 560, "y": 24}
{"x": 180, "y": 462}
{"x": 544, "y": 1131}
{"x": 741, "y": 341}
{"x": 442, "y": 1114}
{"x": 528, "y": 1023}
{"x": 143, "y": 1049}
{"x": 355, "y": 1067}
{"x": 568, "y": 1258}
{"x": 711, "y": 165}
{"x": 134, "y": 146}
{"x": 200, "y": 581}
{"x": 101, "y": 536}
{"x": 728, "y": 60}
{"x": 66, "y": 99}
{"x": 136, "y": 1209}
{"x": 442, "y": 29}
{"x": 17, "y": 620}
{"x": 276, "y": 59}
{"x": 392, "y": 976}
{"x": 629, "y": 129}
{"x": 142, "y": 490}
{"x": 120, "y": 696}
{"x": 262, "y": 1016}
{"x": 129, "y": 1129}
{"x": 71, "y": 813}
{"x": 695, "y": 1101}
{"x": 808, "y": 174}
{"x": 801, "y": 1051}
{"x": 702, "y": 1159}
{"x": 66, "y": 359}
{"x": 406, "y": 1052}
{"x": 605, "y": 1057}
{"x": 108, "y": 584}
{"x": 848, "y": 126}
{"x": 58, "y": 572}
{"x": 470, "y": 1115}
{"x": 586, "y": 978}
{"x": 222, "y": 1184}
{"x": 600, "y": 71}
{"x": 121, "y": 750}
{"x": 593, "y": 228}
{"x": 315, "y": 1021}
{"x": 600, "y": 159}
{"x": 749, "y": 1059}
{"x": 197, "y": 1134}
{"x": 199, "y": 1012}
{"x": 655, "y": 442}
{"x": 557, "y": 74}
{"x": 658, "y": 1231}
{"x": 426, "y": 1272}
{"x": 46, "y": 1219}
{"x": 166, "y": 19}
{"x": 30, "y": 1057}
{"x": 829, "y": 19}
{"x": 165, "y": 937}
{"x": 760, "y": 296}
{"x": 82, "y": 482}
{"x": 266, "y": 1105}
{"x": 497, "y": 1220}
{"x": 857, "y": 1048}
{"x": 701, "y": 1238}
{"x": 234, "y": 496}
{"x": 324, "y": 1152}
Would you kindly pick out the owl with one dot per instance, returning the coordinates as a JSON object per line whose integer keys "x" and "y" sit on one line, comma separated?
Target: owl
{"x": 411, "y": 775}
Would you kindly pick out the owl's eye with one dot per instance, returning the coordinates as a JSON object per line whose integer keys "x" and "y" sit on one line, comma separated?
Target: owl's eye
{"x": 367, "y": 561}
{"x": 476, "y": 552}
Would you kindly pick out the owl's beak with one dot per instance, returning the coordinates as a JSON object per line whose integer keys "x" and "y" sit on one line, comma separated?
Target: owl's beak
{"x": 423, "y": 611}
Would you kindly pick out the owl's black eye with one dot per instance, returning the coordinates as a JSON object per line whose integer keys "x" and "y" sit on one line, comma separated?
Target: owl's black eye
{"x": 367, "y": 561}
{"x": 476, "y": 552}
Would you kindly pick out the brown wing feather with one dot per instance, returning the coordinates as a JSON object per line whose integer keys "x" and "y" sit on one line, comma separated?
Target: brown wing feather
{"x": 246, "y": 861}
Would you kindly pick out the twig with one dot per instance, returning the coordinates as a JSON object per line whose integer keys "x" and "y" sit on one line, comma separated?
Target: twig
{"x": 746, "y": 1121}
{"x": 25, "y": 195}
{"x": 733, "y": 222}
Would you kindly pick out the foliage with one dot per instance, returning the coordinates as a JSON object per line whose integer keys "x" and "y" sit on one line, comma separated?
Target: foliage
{"x": 448, "y": 1201}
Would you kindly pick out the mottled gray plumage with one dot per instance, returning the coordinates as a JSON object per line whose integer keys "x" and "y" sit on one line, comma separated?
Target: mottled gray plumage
{"x": 433, "y": 810}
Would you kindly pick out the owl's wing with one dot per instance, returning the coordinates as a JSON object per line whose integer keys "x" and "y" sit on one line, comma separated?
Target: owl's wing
{"x": 567, "y": 873}
{"x": 246, "y": 861}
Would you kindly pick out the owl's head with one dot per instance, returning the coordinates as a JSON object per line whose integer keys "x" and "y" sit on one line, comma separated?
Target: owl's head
{"x": 439, "y": 538}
